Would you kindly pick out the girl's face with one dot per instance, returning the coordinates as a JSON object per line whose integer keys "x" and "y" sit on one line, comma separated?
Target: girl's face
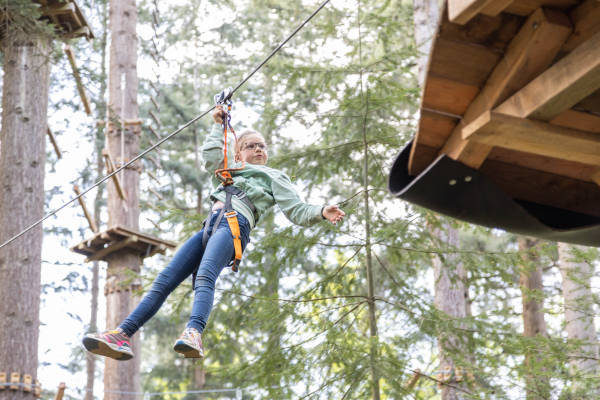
{"x": 253, "y": 150}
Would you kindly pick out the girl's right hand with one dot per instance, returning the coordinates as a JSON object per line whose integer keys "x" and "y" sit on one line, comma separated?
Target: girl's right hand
{"x": 218, "y": 114}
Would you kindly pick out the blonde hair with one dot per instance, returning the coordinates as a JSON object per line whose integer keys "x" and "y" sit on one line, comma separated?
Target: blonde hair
{"x": 240, "y": 139}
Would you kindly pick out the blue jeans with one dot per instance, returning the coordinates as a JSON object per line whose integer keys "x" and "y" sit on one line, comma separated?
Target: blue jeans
{"x": 210, "y": 262}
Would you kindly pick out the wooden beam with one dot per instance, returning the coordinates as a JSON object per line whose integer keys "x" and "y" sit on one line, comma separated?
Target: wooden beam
{"x": 529, "y": 53}
{"x": 155, "y": 118}
{"x": 537, "y": 137}
{"x": 83, "y": 31}
{"x": 80, "y": 87}
{"x": 53, "y": 141}
{"x": 586, "y": 19}
{"x": 462, "y": 11}
{"x": 61, "y": 391}
{"x": 112, "y": 248}
{"x": 153, "y": 131}
{"x": 561, "y": 86}
{"x": 57, "y": 9}
{"x": 110, "y": 168}
{"x": 543, "y": 187}
{"x": 86, "y": 213}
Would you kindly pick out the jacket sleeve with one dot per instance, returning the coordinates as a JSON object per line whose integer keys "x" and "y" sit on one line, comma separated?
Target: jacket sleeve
{"x": 212, "y": 149}
{"x": 289, "y": 202}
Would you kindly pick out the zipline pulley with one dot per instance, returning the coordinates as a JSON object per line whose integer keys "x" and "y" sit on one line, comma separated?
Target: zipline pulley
{"x": 224, "y": 99}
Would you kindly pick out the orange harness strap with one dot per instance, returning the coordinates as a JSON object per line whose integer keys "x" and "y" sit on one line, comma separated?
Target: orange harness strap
{"x": 234, "y": 226}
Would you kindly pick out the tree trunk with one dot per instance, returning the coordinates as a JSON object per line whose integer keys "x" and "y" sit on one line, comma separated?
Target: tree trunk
{"x": 534, "y": 325}
{"x": 122, "y": 142}
{"x": 101, "y": 110}
{"x": 451, "y": 299}
{"x": 22, "y": 164}
{"x": 579, "y": 319}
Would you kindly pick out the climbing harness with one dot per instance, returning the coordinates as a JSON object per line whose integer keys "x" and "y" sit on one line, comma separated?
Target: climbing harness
{"x": 224, "y": 99}
{"x": 224, "y": 175}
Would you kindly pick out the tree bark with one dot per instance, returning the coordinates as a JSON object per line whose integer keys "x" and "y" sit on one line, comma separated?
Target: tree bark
{"x": 101, "y": 110}
{"x": 122, "y": 142}
{"x": 534, "y": 325}
{"x": 451, "y": 299}
{"x": 22, "y": 164}
{"x": 579, "y": 319}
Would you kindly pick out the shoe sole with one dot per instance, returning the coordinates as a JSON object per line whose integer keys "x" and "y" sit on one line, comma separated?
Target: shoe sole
{"x": 187, "y": 350}
{"x": 102, "y": 348}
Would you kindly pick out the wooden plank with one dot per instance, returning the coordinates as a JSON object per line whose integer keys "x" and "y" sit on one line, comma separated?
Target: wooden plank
{"x": 526, "y": 7}
{"x": 493, "y": 8}
{"x": 142, "y": 236}
{"x": 420, "y": 157}
{"x": 586, "y": 19}
{"x": 537, "y": 137}
{"x": 448, "y": 96}
{"x": 529, "y": 53}
{"x": 462, "y": 11}
{"x": 77, "y": 76}
{"x": 492, "y": 32}
{"x": 86, "y": 213}
{"x": 57, "y": 9}
{"x": 544, "y": 188}
{"x": 155, "y": 118}
{"x": 462, "y": 62}
{"x": 578, "y": 120}
{"x": 110, "y": 168}
{"x": 61, "y": 391}
{"x": 53, "y": 141}
{"x": 435, "y": 127}
{"x": 153, "y": 131}
{"x": 561, "y": 86}
{"x": 557, "y": 166}
{"x": 100, "y": 255}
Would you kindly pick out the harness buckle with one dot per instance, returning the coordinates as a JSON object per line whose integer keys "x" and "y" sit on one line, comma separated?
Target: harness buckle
{"x": 231, "y": 214}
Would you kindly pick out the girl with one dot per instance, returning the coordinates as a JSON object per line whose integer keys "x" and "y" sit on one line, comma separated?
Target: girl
{"x": 263, "y": 187}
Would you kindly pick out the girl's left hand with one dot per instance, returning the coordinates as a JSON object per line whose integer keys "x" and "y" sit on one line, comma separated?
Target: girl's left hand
{"x": 333, "y": 214}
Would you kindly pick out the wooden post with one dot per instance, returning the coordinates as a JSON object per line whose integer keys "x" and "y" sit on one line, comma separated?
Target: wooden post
{"x": 87, "y": 214}
{"x": 110, "y": 168}
{"x": 61, "y": 391}
{"x": 80, "y": 87}
{"x": 54, "y": 144}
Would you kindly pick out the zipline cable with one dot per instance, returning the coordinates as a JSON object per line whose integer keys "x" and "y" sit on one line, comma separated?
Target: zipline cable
{"x": 164, "y": 139}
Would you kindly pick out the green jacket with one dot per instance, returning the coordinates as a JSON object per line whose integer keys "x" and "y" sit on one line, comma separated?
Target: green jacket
{"x": 264, "y": 186}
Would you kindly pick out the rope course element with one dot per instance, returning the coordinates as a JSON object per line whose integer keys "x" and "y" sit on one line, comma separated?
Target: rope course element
{"x": 28, "y": 385}
{"x": 169, "y": 136}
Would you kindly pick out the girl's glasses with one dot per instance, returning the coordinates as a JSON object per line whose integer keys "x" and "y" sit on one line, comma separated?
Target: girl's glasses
{"x": 253, "y": 146}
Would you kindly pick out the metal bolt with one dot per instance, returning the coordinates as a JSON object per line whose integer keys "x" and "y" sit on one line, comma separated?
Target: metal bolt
{"x": 452, "y": 182}
{"x": 468, "y": 178}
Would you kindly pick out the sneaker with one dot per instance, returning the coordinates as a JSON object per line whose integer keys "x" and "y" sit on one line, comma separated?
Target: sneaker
{"x": 189, "y": 344}
{"x": 114, "y": 344}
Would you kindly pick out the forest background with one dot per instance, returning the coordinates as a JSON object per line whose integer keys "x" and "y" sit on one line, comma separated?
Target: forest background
{"x": 326, "y": 312}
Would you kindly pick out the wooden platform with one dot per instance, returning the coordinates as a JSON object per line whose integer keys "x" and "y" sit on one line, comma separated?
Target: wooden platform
{"x": 513, "y": 90}
{"x": 102, "y": 244}
{"x": 67, "y": 17}
{"x": 64, "y": 14}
